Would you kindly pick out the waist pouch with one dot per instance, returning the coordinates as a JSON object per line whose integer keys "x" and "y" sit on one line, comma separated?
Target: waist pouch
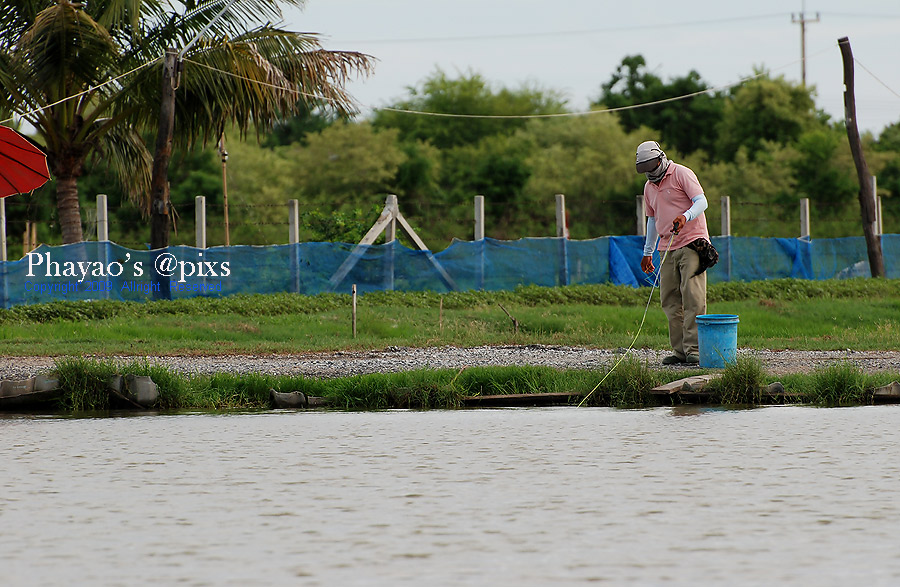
{"x": 709, "y": 256}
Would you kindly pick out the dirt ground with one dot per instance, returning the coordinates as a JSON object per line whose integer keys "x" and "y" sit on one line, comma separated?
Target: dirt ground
{"x": 394, "y": 359}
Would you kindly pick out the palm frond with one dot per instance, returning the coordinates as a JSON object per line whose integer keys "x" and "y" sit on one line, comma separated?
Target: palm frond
{"x": 65, "y": 50}
{"x": 125, "y": 154}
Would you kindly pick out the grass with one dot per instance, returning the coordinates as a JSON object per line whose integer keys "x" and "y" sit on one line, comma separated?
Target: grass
{"x": 742, "y": 383}
{"x": 628, "y": 386}
{"x": 863, "y": 314}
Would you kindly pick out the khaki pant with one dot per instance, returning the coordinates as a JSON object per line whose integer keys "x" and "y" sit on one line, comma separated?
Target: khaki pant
{"x": 683, "y": 297}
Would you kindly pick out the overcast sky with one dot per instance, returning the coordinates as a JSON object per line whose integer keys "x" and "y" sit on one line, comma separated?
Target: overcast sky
{"x": 574, "y": 46}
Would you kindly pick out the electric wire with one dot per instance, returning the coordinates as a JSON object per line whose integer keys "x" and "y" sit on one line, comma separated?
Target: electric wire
{"x": 891, "y": 90}
{"x": 562, "y": 33}
{"x": 83, "y": 92}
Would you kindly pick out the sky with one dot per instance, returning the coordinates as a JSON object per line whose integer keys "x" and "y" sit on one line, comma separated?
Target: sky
{"x": 574, "y": 46}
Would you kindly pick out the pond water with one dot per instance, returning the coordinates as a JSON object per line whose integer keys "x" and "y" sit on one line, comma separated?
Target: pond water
{"x": 554, "y": 496}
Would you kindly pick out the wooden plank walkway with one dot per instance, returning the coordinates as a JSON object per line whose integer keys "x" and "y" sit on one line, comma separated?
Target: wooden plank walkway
{"x": 689, "y": 385}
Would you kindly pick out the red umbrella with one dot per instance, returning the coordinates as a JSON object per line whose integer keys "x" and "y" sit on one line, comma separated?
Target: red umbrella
{"x": 23, "y": 166}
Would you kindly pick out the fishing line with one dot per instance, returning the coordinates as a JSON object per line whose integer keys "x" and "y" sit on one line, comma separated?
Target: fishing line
{"x": 640, "y": 327}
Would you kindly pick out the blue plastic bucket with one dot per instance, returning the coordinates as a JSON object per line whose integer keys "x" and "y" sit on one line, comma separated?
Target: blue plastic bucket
{"x": 718, "y": 339}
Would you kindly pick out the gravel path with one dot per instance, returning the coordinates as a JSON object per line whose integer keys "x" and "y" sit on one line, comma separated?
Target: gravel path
{"x": 393, "y": 359}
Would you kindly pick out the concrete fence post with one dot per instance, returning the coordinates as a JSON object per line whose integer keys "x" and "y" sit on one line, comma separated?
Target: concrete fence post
{"x": 562, "y": 232}
{"x": 479, "y": 218}
{"x": 390, "y": 234}
{"x": 479, "y": 238}
{"x": 200, "y": 221}
{"x": 294, "y": 239}
{"x": 726, "y": 215}
{"x": 804, "y": 218}
{"x": 879, "y": 227}
{"x": 102, "y": 219}
{"x": 641, "y": 215}
{"x": 293, "y": 222}
{"x": 561, "y": 229}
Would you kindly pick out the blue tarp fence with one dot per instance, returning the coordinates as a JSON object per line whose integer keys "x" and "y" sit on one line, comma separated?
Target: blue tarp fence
{"x": 105, "y": 270}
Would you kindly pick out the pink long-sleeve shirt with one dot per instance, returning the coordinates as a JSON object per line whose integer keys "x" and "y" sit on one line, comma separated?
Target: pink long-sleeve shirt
{"x": 670, "y": 198}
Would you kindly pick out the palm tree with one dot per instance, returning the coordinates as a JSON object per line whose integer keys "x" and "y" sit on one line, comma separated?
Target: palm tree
{"x": 108, "y": 56}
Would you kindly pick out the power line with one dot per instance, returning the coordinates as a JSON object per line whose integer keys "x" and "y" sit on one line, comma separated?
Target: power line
{"x": 592, "y": 31}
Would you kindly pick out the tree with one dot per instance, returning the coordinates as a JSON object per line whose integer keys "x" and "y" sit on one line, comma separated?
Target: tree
{"x": 590, "y": 160}
{"x": 469, "y": 95}
{"x": 310, "y": 119}
{"x": 820, "y": 175}
{"x": 886, "y": 162}
{"x": 685, "y": 125}
{"x": 343, "y": 163}
{"x": 766, "y": 109}
{"x": 86, "y": 77}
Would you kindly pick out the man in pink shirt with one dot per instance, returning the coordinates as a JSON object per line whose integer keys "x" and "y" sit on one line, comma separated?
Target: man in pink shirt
{"x": 675, "y": 203}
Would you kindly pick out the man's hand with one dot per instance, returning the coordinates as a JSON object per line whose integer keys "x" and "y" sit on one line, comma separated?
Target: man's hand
{"x": 678, "y": 224}
{"x": 647, "y": 264}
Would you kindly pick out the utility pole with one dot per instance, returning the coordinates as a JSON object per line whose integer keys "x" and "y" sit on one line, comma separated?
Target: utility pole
{"x": 801, "y": 18}
{"x": 160, "y": 207}
{"x": 160, "y": 218}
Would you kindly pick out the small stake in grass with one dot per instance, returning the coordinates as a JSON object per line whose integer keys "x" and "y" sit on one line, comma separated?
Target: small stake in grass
{"x": 441, "y": 315}
{"x": 514, "y": 321}
{"x": 353, "y": 313}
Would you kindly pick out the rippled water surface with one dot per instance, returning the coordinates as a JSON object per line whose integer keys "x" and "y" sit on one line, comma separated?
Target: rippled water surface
{"x": 780, "y": 495}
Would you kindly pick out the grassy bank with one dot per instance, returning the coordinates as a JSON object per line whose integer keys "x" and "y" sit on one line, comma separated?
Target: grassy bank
{"x": 862, "y": 314}
{"x": 628, "y": 386}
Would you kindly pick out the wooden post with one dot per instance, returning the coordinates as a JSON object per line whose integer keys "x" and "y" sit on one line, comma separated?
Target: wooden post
{"x": 641, "y": 213}
{"x": 29, "y": 237}
{"x": 293, "y": 221}
{"x": 224, "y": 155}
{"x": 200, "y": 221}
{"x": 866, "y": 201}
{"x": 3, "y": 256}
{"x": 726, "y": 215}
{"x": 805, "y": 231}
{"x": 353, "y": 311}
{"x": 102, "y": 219}
{"x": 479, "y": 218}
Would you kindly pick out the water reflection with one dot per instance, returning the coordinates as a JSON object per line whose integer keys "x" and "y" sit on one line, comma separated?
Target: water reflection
{"x": 482, "y": 497}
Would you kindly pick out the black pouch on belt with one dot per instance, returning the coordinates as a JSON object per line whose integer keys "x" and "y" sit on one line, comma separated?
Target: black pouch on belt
{"x": 709, "y": 256}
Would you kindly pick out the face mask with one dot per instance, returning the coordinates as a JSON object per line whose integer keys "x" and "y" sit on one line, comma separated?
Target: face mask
{"x": 657, "y": 174}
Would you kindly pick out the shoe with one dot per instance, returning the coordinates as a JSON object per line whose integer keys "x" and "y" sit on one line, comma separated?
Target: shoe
{"x": 672, "y": 360}
{"x": 692, "y": 359}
